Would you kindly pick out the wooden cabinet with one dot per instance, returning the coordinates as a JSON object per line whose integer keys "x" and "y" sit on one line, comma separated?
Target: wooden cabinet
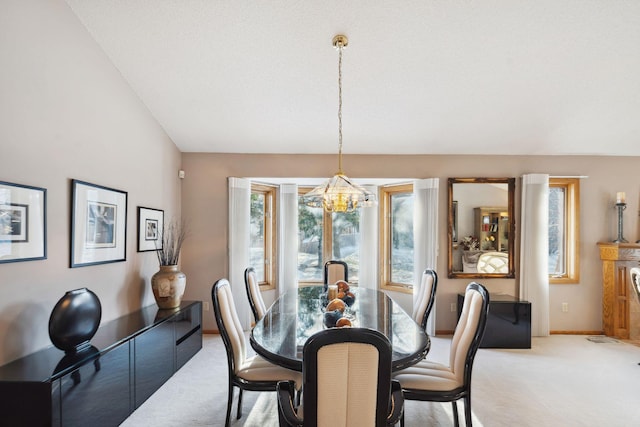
{"x": 129, "y": 359}
{"x": 492, "y": 228}
{"x": 617, "y": 259}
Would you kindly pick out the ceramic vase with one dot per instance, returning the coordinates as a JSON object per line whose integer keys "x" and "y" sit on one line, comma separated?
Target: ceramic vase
{"x": 168, "y": 286}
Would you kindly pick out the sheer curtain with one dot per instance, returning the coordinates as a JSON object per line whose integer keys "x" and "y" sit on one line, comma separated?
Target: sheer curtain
{"x": 425, "y": 234}
{"x": 288, "y": 242}
{"x": 534, "y": 250}
{"x": 239, "y": 241}
{"x": 368, "y": 274}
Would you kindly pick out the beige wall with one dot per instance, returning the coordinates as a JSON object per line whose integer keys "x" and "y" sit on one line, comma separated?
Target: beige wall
{"x": 204, "y": 204}
{"x": 66, "y": 112}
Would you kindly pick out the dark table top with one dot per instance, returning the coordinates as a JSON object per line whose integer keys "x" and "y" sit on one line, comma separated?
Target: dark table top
{"x": 280, "y": 335}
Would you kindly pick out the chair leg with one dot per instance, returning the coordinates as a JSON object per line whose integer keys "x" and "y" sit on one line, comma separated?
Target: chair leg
{"x": 402, "y": 420}
{"x": 456, "y": 422}
{"x": 467, "y": 410}
{"x": 226, "y": 423}
{"x": 239, "y": 415}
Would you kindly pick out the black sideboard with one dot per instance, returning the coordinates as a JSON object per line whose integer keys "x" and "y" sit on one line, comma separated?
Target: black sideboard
{"x": 129, "y": 359}
{"x": 508, "y": 322}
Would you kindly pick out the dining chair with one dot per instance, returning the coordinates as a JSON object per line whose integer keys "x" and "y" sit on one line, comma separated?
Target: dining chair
{"x": 246, "y": 373}
{"x": 339, "y": 388}
{"x": 253, "y": 293}
{"x": 335, "y": 270}
{"x": 436, "y": 382}
{"x": 493, "y": 263}
{"x": 426, "y": 297}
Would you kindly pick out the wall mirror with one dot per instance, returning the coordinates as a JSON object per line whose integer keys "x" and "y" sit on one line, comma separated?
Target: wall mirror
{"x": 481, "y": 227}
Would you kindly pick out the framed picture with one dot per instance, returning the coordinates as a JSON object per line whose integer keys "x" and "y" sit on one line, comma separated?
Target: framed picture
{"x": 98, "y": 224}
{"x": 150, "y": 226}
{"x": 23, "y": 222}
{"x": 454, "y": 226}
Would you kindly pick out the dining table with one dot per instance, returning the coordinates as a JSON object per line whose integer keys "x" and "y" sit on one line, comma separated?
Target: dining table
{"x": 298, "y": 314}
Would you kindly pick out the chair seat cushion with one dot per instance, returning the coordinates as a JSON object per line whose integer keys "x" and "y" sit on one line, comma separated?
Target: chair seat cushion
{"x": 428, "y": 375}
{"x": 258, "y": 369}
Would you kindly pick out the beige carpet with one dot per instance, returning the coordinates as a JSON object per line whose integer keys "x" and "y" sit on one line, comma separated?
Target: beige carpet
{"x": 562, "y": 381}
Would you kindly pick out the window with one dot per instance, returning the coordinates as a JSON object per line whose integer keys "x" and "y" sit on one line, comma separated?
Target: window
{"x": 262, "y": 234}
{"x": 564, "y": 202}
{"x": 396, "y": 237}
{"x": 325, "y": 236}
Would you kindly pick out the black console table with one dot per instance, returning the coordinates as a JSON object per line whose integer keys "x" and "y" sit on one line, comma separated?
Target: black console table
{"x": 508, "y": 323}
{"x": 129, "y": 359}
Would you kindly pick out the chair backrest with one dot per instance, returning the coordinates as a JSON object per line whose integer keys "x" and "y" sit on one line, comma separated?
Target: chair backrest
{"x": 339, "y": 388}
{"x": 253, "y": 293}
{"x": 229, "y": 324}
{"x": 425, "y": 298}
{"x": 469, "y": 331}
{"x": 635, "y": 281}
{"x": 493, "y": 262}
{"x": 335, "y": 270}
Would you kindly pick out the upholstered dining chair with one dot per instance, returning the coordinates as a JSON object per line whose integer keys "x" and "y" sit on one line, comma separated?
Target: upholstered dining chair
{"x": 246, "y": 373}
{"x": 432, "y": 381}
{"x": 253, "y": 293}
{"x": 340, "y": 387}
{"x": 426, "y": 297}
{"x": 493, "y": 262}
{"x": 335, "y": 270}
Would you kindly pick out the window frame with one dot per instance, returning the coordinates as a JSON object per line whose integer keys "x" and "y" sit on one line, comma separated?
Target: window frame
{"x": 384, "y": 241}
{"x": 571, "y": 187}
{"x": 270, "y": 233}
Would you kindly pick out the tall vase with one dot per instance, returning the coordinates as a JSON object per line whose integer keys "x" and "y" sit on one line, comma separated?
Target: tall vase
{"x": 168, "y": 286}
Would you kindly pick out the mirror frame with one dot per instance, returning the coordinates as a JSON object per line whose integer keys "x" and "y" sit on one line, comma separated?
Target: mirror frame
{"x": 511, "y": 185}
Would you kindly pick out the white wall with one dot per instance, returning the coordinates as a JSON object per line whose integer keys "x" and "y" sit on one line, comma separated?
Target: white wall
{"x": 66, "y": 112}
{"x": 204, "y": 202}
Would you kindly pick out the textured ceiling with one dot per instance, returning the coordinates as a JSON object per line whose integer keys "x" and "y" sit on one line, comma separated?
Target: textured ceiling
{"x": 420, "y": 76}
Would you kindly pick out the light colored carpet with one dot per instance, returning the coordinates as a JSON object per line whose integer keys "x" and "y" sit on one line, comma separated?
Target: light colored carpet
{"x": 564, "y": 381}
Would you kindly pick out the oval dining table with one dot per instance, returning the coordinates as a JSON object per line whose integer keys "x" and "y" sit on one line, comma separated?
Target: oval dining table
{"x": 295, "y": 316}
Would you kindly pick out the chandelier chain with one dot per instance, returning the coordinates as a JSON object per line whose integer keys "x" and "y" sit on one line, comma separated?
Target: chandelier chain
{"x": 340, "y": 47}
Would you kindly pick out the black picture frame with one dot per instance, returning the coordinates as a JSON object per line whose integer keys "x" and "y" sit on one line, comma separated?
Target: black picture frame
{"x": 150, "y": 226}
{"x": 98, "y": 224}
{"x": 23, "y": 222}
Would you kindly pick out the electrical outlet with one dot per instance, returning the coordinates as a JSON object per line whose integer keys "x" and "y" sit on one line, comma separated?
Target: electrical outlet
{"x": 205, "y": 305}
{"x": 453, "y": 307}
{"x": 565, "y": 307}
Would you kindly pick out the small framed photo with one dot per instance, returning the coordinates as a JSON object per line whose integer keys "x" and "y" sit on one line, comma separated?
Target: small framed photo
{"x": 150, "y": 226}
{"x": 23, "y": 222}
{"x": 98, "y": 224}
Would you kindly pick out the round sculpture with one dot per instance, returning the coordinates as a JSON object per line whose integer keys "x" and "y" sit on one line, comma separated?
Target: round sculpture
{"x": 75, "y": 320}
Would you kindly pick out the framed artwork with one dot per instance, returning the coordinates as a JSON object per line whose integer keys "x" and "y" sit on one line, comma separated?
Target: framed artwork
{"x": 23, "y": 222}
{"x": 98, "y": 224}
{"x": 150, "y": 226}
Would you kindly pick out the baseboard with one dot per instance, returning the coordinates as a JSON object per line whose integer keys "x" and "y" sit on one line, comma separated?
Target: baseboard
{"x": 576, "y": 332}
{"x": 443, "y": 332}
{"x": 211, "y": 331}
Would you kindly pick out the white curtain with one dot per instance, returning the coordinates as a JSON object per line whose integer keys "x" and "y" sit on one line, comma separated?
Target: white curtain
{"x": 368, "y": 269}
{"x": 534, "y": 250}
{"x": 288, "y": 242}
{"x": 239, "y": 241}
{"x": 425, "y": 234}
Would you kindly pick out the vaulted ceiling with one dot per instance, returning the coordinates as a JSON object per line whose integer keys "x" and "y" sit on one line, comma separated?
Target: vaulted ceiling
{"x": 419, "y": 76}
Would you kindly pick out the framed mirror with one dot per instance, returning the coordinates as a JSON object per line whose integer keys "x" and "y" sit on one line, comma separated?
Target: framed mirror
{"x": 481, "y": 227}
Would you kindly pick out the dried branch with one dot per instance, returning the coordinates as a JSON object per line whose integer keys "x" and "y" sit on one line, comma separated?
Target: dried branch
{"x": 172, "y": 237}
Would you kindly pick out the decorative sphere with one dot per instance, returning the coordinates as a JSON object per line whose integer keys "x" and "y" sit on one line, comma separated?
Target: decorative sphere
{"x": 336, "y": 304}
{"x": 331, "y": 318}
{"x": 343, "y": 321}
{"x": 342, "y": 286}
